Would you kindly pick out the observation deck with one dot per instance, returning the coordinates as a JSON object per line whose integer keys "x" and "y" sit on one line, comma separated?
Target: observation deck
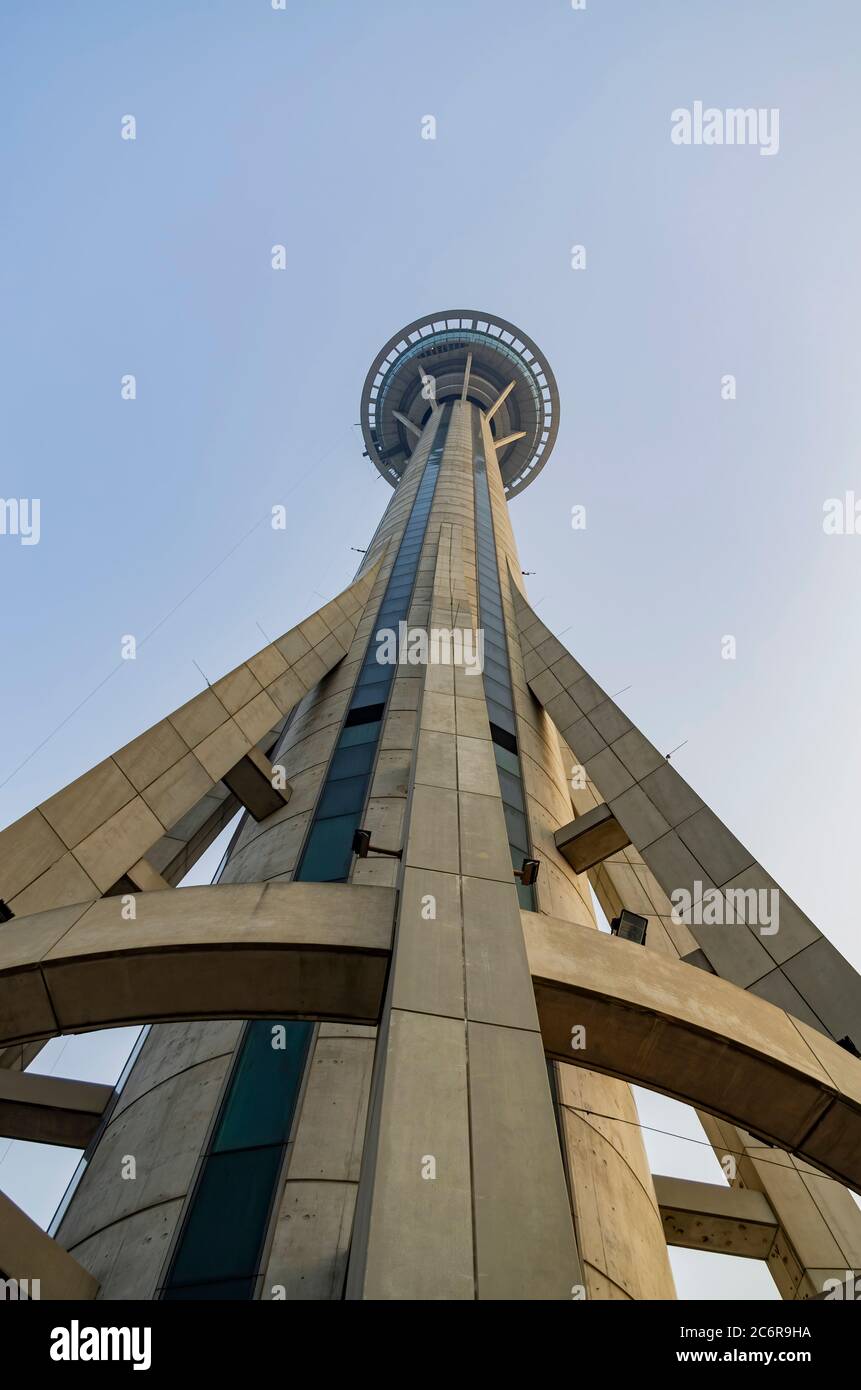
{"x": 461, "y": 354}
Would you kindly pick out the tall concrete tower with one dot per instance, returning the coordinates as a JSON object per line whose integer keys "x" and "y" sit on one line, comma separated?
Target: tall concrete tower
{"x": 429, "y": 1096}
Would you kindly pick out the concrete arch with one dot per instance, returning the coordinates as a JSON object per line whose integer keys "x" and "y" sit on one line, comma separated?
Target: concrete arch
{"x": 321, "y": 951}
{"x": 672, "y": 1028}
{"x": 278, "y": 950}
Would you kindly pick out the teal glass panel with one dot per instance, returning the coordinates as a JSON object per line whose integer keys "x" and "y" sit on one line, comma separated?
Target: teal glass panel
{"x": 494, "y": 670}
{"x": 373, "y": 674}
{"x": 344, "y": 796}
{"x": 496, "y": 656}
{"x": 352, "y": 761}
{"x": 389, "y": 615}
{"x": 359, "y": 733}
{"x": 499, "y": 714}
{"x": 228, "y": 1290}
{"x": 525, "y": 895}
{"x": 507, "y": 760}
{"x": 329, "y": 849}
{"x": 500, "y": 694}
{"x": 263, "y": 1090}
{"x": 227, "y": 1219}
{"x": 511, "y": 789}
{"x": 373, "y": 694}
{"x": 516, "y": 824}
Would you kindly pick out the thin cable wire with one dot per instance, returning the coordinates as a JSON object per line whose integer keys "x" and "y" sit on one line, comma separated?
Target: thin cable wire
{"x": 668, "y": 1133}
{"x": 120, "y": 664}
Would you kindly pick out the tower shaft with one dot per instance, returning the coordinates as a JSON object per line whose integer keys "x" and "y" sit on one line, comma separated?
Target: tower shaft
{"x": 424, "y": 1162}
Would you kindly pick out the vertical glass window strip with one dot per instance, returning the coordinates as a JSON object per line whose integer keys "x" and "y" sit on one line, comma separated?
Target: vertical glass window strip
{"x": 327, "y": 852}
{"x": 497, "y": 672}
{"x": 219, "y": 1249}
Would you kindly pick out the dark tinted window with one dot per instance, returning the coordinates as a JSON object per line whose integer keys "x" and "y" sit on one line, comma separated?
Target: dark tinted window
{"x": 328, "y": 851}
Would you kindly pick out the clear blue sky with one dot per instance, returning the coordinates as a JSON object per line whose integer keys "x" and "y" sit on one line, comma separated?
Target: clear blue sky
{"x": 255, "y": 127}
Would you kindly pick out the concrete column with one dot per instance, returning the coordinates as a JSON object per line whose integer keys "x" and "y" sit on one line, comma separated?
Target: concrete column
{"x": 460, "y": 1085}
{"x": 618, "y": 1224}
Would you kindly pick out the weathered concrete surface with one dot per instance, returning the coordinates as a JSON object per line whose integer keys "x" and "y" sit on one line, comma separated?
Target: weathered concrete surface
{"x": 725, "y": 1220}
{"x": 686, "y": 1033}
{"x": 50, "y": 1109}
{"x": 281, "y": 950}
